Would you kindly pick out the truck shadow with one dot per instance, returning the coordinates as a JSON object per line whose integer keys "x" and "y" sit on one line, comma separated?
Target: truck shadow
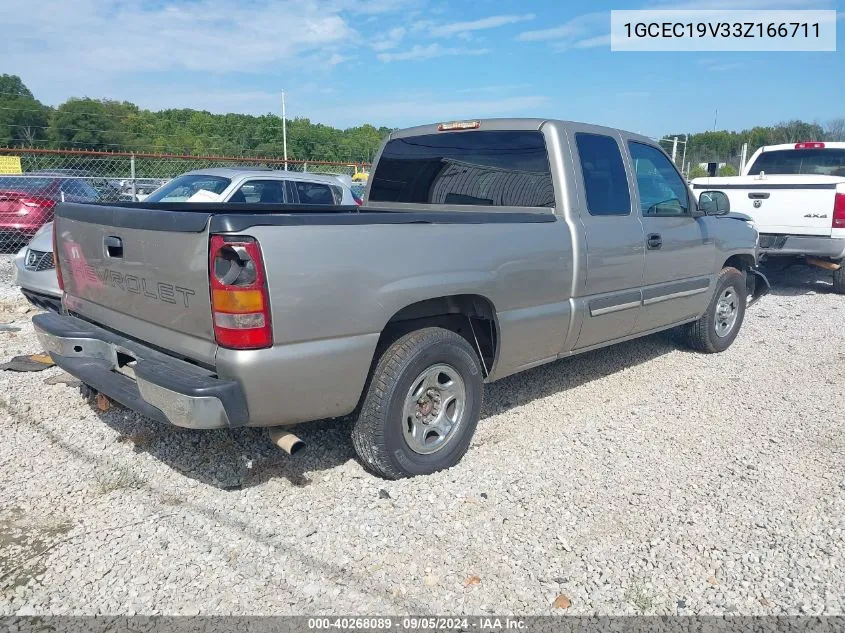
{"x": 242, "y": 458}
{"x": 569, "y": 373}
{"x": 798, "y": 279}
{"x": 238, "y": 458}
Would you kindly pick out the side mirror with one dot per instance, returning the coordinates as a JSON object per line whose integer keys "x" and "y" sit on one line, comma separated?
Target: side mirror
{"x": 714, "y": 203}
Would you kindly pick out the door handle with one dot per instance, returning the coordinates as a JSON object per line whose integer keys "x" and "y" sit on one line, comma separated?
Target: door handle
{"x": 654, "y": 241}
{"x": 113, "y": 246}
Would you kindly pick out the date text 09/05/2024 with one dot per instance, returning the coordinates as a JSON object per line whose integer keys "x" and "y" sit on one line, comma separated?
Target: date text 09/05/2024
{"x": 487, "y": 623}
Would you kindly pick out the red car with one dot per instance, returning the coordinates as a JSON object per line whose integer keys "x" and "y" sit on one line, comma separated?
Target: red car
{"x": 26, "y": 203}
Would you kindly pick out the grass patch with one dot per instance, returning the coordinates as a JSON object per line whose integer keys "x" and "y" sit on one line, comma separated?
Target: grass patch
{"x": 121, "y": 478}
{"x": 642, "y": 597}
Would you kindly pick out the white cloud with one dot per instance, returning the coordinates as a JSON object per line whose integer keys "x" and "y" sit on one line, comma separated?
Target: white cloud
{"x": 582, "y": 27}
{"x": 723, "y": 64}
{"x": 389, "y": 40}
{"x": 95, "y": 37}
{"x": 594, "y": 42}
{"x": 421, "y": 25}
{"x": 425, "y": 109}
{"x": 418, "y": 52}
{"x": 705, "y": 5}
{"x": 494, "y": 21}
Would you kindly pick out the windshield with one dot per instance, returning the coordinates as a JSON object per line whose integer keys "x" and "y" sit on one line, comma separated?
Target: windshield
{"x": 819, "y": 162}
{"x": 183, "y": 187}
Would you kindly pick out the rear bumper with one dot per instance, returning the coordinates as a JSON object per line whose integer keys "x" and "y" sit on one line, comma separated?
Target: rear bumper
{"x": 152, "y": 383}
{"x": 773, "y": 245}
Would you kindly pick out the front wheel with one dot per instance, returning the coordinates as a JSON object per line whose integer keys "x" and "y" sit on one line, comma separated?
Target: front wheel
{"x": 720, "y": 324}
{"x": 422, "y": 405}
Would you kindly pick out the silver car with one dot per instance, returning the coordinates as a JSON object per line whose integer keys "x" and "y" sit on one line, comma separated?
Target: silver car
{"x": 254, "y": 186}
{"x": 36, "y": 273}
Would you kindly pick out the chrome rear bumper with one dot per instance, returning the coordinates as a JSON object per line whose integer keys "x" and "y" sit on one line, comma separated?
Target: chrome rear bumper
{"x": 154, "y": 384}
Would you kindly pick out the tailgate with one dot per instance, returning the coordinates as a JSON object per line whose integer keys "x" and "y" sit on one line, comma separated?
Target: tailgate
{"x": 147, "y": 283}
{"x": 793, "y": 205}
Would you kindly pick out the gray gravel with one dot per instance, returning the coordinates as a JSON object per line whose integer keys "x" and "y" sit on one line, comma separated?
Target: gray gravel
{"x": 637, "y": 479}
{"x": 8, "y": 292}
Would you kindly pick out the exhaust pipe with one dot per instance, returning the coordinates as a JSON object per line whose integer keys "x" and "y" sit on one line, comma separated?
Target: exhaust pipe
{"x": 286, "y": 441}
{"x": 822, "y": 263}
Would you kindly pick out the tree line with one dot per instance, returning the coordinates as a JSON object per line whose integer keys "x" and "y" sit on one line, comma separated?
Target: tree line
{"x": 119, "y": 125}
{"x": 724, "y": 146}
{"x": 99, "y": 124}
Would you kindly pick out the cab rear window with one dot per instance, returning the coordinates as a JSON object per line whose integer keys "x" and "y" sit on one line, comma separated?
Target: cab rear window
{"x": 819, "y": 162}
{"x": 488, "y": 168}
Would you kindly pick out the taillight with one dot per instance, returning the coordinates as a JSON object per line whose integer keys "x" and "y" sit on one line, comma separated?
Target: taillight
{"x": 809, "y": 145}
{"x": 56, "y": 260}
{"x": 839, "y": 211}
{"x": 240, "y": 305}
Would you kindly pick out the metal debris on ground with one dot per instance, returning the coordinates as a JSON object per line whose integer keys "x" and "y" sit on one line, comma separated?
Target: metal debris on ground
{"x": 31, "y": 362}
{"x": 62, "y": 379}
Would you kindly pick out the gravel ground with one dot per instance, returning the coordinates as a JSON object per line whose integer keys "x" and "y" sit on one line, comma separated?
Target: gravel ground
{"x": 8, "y": 292}
{"x": 641, "y": 478}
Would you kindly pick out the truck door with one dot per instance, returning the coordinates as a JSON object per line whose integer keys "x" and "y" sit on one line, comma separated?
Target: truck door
{"x": 610, "y": 298}
{"x": 679, "y": 254}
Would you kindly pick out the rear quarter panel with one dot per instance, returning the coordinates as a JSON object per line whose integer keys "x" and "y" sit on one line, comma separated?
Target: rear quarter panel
{"x": 334, "y": 288}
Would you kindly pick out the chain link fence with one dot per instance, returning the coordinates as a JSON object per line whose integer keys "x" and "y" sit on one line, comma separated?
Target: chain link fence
{"x": 32, "y": 181}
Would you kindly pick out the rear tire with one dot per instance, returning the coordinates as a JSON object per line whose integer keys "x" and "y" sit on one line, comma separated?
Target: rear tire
{"x": 421, "y": 406}
{"x": 716, "y": 330}
{"x": 839, "y": 279}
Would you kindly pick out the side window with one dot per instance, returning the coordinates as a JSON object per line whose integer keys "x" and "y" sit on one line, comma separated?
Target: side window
{"x": 260, "y": 192}
{"x": 605, "y": 182}
{"x": 662, "y": 190}
{"x": 314, "y": 193}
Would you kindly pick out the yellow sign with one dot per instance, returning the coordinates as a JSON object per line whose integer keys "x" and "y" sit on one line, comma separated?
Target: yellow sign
{"x": 10, "y": 165}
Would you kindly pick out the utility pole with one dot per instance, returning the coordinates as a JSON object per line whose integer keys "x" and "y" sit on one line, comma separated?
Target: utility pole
{"x": 715, "y": 118}
{"x": 284, "y": 131}
{"x": 674, "y": 148}
{"x": 684, "y": 156}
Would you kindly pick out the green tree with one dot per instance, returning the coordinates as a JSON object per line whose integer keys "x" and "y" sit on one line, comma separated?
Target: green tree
{"x": 727, "y": 170}
{"x": 697, "y": 171}
{"x": 13, "y": 86}
{"x": 86, "y": 124}
{"x": 23, "y": 119}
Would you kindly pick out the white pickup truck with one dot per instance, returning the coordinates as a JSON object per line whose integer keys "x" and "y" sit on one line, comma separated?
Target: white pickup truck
{"x": 795, "y": 194}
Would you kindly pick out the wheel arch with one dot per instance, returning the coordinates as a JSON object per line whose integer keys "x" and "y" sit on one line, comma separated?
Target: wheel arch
{"x": 472, "y": 316}
{"x": 740, "y": 261}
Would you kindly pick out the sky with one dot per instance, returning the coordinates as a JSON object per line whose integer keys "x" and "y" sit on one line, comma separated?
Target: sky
{"x": 406, "y": 62}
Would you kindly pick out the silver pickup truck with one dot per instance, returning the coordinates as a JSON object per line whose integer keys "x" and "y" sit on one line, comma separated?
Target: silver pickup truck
{"x": 483, "y": 248}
